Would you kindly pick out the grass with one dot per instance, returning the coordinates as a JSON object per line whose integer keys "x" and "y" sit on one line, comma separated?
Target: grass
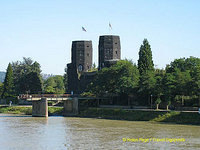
{"x": 55, "y": 111}
{"x": 28, "y": 110}
{"x": 16, "y": 110}
{"x": 136, "y": 115}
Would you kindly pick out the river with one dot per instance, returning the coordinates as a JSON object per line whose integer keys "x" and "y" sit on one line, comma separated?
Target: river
{"x": 61, "y": 133}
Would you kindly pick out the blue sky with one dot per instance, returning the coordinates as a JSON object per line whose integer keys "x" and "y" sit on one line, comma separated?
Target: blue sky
{"x": 45, "y": 29}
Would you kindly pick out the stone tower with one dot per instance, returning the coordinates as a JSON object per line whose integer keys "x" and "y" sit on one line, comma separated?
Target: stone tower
{"x": 81, "y": 53}
{"x": 109, "y": 49}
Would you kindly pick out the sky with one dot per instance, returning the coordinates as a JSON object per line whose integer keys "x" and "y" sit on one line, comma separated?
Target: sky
{"x": 44, "y": 29}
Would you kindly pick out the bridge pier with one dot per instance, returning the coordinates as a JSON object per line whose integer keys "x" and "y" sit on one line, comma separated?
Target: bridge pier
{"x": 40, "y": 108}
{"x": 71, "y": 107}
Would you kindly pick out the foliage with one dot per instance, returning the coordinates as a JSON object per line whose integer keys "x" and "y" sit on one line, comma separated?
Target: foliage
{"x": 120, "y": 78}
{"x": 158, "y": 89}
{"x": 34, "y": 82}
{"x": 183, "y": 64}
{"x": 1, "y": 88}
{"x": 24, "y": 71}
{"x": 145, "y": 62}
{"x": 54, "y": 85}
{"x": 158, "y": 101}
{"x": 182, "y": 79}
{"x": 87, "y": 94}
{"x": 147, "y": 81}
{"x": 8, "y": 83}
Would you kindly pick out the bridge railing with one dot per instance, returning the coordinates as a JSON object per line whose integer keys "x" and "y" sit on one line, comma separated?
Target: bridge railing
{"x": 27, "y": 96}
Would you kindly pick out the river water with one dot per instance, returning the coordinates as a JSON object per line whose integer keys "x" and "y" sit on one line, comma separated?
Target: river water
{"x": 61, "y": 133}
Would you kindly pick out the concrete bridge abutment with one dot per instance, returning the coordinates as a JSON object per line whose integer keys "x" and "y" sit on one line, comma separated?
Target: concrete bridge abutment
{"x": 40, "y": 108}
{"x": 71, "y": 107}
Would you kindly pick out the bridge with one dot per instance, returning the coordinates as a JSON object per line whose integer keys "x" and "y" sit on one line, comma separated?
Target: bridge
{"x": 40, "y": 103}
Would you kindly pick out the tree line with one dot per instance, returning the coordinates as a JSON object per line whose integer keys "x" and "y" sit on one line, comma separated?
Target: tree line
{"x": 24, "y": 77}
{"x": 177, "y": 84}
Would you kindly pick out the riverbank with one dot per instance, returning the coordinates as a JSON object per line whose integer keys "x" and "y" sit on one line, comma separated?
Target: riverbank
{"x": 192, "y": 118}
{"x": 27, "y": 110}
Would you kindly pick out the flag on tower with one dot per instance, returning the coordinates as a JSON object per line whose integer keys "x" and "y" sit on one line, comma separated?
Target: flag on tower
{"x": 110, "y": 25}
{"x": 83, "y": 29}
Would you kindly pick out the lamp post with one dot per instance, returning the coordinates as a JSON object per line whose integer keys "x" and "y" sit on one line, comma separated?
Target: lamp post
{"x": 151, "y": 101}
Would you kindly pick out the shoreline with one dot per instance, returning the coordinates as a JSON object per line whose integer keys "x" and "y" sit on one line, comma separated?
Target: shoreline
{"x": 173, "y": 117}
{"x": 169, "y": 117}
{"x": 27, "y": 110}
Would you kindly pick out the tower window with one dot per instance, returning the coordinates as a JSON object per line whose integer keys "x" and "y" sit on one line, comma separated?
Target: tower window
{"x": 115, "y": 43}
{"x": 88, "y": 54}
{"x": 116, "y": 52}
{"x": 87, "y": 45}
{"x": 80, "y": 68}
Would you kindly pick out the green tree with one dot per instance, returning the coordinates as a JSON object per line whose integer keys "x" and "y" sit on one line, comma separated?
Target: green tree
{"x": 158, "y": 101}
{"x": 55, "y": 85}
{"x": 158, "y": 89}
{"x": 145, "y": 62}
{"x": 23, "y": 70}
{"x": 185, "y": 77}
{"x": 196, "y": 83}
{"x": 8, "y": 83}
{"x": 60, "y": 87}
{"x": 35, "y": 67}
{"x": 183, "y": 64}
{"x": 182, "y": 82}
{"x": 147, "y": 85}
{"x": 147, "y": 75}
{"x": 169, "y": 87}
{"x": 34, "y": 83}
{"x": 121, "y": 78}
{"x": 50, "y": 90}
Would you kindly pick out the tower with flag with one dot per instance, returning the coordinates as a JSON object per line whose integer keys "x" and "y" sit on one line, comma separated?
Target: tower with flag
{"x": 78, "y": 71}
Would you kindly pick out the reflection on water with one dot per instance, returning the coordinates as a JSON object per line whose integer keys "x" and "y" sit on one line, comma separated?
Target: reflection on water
{"x": 61, "y": 133}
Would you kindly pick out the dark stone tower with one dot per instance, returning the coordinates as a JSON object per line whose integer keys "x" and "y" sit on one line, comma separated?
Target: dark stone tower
{"x": 81, "y": 62}
{"x": 109, "y": 49}
{"x": 82, "y": 55}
